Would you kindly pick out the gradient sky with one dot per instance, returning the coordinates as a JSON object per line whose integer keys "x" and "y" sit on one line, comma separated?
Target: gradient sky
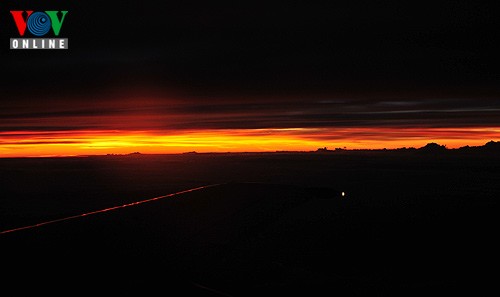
{"x": 170, "y": 77}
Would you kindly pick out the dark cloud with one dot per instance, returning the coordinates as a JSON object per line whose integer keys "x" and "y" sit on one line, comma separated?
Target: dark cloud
{"x": 157, "y": 115}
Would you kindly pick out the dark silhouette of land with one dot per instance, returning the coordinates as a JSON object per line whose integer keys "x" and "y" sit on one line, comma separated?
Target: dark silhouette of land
{"x": 412, "y": 222}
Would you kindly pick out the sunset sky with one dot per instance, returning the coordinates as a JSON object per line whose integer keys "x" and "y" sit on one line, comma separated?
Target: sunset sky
{"x": 173, "y": 77}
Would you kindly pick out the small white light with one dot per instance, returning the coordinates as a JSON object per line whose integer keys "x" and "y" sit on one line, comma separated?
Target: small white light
{"x": 343, "y": 194}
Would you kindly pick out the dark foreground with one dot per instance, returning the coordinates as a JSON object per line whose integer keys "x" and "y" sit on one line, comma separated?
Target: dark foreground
{"x": 410, "y": 225}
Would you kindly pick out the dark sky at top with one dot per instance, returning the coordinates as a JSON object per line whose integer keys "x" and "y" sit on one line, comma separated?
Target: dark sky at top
{"x": 435, "y": 56}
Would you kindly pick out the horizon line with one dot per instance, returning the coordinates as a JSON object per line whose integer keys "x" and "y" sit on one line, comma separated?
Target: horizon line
{"x": 318, "y": 150}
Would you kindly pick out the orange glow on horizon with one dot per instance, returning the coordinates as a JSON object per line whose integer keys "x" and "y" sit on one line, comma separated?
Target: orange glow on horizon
{"x": 69, "y": 143}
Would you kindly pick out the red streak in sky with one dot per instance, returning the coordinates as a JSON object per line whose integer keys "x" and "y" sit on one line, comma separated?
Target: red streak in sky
{"x": 99, "y": 142}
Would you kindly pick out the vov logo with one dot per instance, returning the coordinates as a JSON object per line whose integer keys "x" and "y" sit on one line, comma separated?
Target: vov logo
{"x": 39, "y": 24}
